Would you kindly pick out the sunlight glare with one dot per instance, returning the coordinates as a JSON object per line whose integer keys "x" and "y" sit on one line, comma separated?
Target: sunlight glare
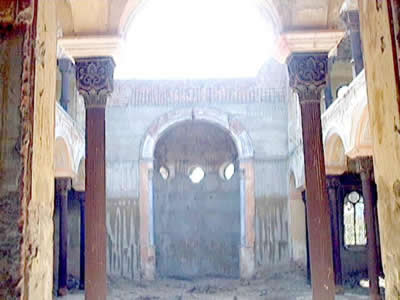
{"x": 182, "y": 39}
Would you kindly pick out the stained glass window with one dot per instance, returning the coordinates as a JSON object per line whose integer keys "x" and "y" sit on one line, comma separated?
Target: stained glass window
{"x": 354, "y": 222}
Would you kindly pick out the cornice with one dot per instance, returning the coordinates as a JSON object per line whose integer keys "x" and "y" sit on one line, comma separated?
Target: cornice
{"x": 307, "y": 41}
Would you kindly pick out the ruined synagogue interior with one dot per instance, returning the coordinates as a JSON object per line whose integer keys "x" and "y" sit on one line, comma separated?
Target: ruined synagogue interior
{"x": 186, "y": 149}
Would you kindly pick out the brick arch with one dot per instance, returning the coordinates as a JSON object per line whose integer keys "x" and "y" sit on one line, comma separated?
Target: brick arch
{"x": 245, "y": 151}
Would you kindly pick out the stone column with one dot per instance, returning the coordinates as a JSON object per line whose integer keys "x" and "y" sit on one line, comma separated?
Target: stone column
{"x": 67, "y": 70}
{"x": 365, "y": 168}
{"x": 81, "y": 198}
{"x": 333, "y": 185}
{"x": 307, "y": 72}
{"x": 95, "y": 83}
{"x": 63, "y": 186}
{"x": 352, "y": 21}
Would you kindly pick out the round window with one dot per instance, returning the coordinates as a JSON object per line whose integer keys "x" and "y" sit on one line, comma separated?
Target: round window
{"x": 196, "y": 175}
{"x": 229, "y": 171}
{"x": 164, "y": 173}
{"x": 353, "y": 197}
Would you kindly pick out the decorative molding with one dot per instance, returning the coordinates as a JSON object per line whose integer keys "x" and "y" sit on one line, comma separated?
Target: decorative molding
{"x": 307, "y": 42}
{"x": 95, "y": 79}
{"x": 90, "y": 46}
{"x": 307, "y": 73}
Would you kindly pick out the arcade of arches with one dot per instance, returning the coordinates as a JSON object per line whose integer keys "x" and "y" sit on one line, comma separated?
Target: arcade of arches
{"x": 105, "y": 180}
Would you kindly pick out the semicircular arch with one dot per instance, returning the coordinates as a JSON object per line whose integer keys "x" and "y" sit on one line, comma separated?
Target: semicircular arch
{"x": 241, "y": 138}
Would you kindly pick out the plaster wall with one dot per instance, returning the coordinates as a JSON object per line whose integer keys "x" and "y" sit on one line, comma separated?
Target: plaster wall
{"x": 39, "y": 239}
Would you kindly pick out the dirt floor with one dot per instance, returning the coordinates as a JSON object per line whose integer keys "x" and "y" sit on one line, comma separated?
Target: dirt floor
{"x": 278, "y": 285}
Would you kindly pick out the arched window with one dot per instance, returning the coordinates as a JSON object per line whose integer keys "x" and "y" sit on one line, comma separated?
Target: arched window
{"x": 353, "y": 219}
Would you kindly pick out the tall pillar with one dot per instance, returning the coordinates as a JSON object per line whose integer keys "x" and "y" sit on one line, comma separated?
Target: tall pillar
{"x": 307, "y": 72}
{"x": 352, "y": 22}
{"x": 63, "y": 185}
{"x": 67, "y": 70}
{"x": 333, "y": 185}
{"x": 365, "y": 168}
{"x": 95, "y": 83}
{"x": 81, "y": 197}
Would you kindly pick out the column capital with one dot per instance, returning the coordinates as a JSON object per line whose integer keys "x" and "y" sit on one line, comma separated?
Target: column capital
{"x": 66, "y": 65}
{"x": 307, "y": 74}
{"x": 351, "y": 19}
{"x": 332, "y": 182}
{"x": 95, "y": 79}
{"x": 63, "y": 184}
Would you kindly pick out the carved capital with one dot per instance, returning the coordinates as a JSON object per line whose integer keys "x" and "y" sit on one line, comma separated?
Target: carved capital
{"x": 332, "y": 182}
{"x": 307, "y": 73}
{"x": 66, "y": 66}
{"x": 63, "y": 185}
{"x": 365, "y": 165}
{"x": 95, "y": 79}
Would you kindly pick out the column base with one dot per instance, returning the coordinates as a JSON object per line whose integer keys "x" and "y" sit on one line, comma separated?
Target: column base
{"x": 149, "y": 263}
{"x": 247, "y": 262}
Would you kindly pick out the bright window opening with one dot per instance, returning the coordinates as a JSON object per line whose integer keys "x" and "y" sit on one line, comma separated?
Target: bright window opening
{"x": 354, "y": 224}
{"x": 164, "y": 173}
{"x": 196, "y": 175}
{"x": 193, "y": 39}
{"x": 229, "y": 171}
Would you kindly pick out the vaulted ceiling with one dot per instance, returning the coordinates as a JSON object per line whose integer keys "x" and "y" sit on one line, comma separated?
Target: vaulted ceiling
{"x": 110, "y": 17}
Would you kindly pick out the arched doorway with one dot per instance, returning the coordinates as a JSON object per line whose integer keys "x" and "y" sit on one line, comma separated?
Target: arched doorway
{"x": 244, "y": 169}
{"x": 196, "y": 190}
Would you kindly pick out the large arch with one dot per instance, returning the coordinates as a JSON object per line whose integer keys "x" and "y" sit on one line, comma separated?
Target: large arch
{"x": 245, "y": 152}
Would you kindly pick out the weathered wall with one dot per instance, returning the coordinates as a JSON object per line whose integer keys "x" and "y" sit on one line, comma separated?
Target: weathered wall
{"x": 381, "y": 61}
{"x": 259, "y": 104}
{"x": 10, "y": 164}
{"x": 27, "y": 137}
